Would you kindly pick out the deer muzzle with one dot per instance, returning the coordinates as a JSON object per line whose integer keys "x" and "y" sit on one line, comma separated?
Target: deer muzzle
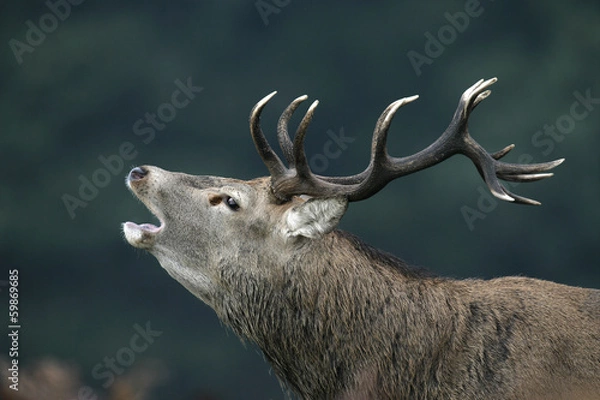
{"x": 143, "y": 235}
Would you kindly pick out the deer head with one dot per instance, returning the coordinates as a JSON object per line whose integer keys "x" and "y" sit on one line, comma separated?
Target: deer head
{"x": 265, "y": 255}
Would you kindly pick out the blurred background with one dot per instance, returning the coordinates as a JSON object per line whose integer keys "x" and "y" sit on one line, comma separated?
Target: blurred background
{"x": 87, "y": 91}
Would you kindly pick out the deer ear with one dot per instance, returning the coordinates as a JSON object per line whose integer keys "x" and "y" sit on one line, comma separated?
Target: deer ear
{"x": 315, "y": 217}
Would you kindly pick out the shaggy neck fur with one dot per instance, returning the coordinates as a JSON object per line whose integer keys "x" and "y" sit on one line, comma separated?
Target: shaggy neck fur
{"x": 323, "y": 314}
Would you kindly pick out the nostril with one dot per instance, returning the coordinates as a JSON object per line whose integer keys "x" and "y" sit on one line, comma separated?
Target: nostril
{"x": 138, "y": 173}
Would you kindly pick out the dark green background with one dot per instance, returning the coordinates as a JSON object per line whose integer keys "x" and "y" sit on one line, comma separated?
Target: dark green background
{"x": 77, "y": 96}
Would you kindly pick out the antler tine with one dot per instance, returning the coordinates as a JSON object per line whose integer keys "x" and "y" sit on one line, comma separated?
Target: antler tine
{"x": 378, "y": 144}
{"x": 501, "y": 153}
{"x": 476, "y": 93}
{"x": 300, "y": 161}
{"x": 269, "y": 157}
{"x": 381, "y": 166}
{"x": 282, "y": 129}
{"x": 512, "y": 169}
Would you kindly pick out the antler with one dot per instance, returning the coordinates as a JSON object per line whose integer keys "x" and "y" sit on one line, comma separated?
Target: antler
{"x": 298, "y": 179}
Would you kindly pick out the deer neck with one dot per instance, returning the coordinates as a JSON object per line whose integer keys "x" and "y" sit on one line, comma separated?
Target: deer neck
{"x": 314, "y": 310}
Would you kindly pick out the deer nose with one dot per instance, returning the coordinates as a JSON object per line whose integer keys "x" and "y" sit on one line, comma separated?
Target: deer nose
{"x": 138, "y": 173}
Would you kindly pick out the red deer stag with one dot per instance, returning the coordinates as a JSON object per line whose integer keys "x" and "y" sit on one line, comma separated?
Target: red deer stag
{"x": 338, "y": 319}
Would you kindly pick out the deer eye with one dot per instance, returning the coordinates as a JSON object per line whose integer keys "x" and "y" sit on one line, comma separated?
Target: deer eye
{"x": 231, "y": 203}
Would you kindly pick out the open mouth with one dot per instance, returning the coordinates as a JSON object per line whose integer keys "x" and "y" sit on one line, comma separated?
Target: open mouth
{"x": 149, "y": 228}
{"x": 144, "y": 235}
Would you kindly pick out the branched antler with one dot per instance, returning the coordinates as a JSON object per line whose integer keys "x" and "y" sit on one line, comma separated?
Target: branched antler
{"x": 297, "y": 178}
